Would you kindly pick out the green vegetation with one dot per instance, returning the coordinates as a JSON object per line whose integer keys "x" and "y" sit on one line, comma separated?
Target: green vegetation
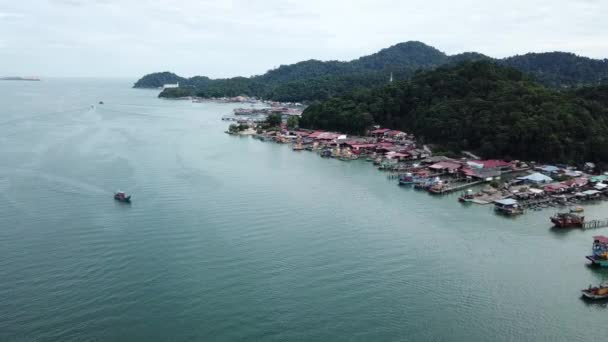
{"x": 478, "y": 106}
{"x": 236, "y": 128}
{"x": 293, "y": 122}
{"x": 157, "y": 80}
{"x": 317, "y": 80}
{"x": 179, "y": 92}
{"x": 274, "y": 120}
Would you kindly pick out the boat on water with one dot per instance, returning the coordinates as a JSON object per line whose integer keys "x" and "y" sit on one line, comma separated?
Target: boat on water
{"x": 596, "y": 292}
{"x": 298, "y": 147}
{"x": 407, "y": 179}
{"x": 326, "y": 153}
{"x": 466, "y": 197}
{"x": 439, "y": 188}
{"x": 120, "y": 196}
{"x": 578, "y": 209}
{"x": 568, "y": 220}
{"x": 508, "y": 207}
{"x": 599, "y": 251}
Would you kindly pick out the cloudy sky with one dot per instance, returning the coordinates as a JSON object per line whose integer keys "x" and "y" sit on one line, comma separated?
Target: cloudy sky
{"x": 222, "y": 38}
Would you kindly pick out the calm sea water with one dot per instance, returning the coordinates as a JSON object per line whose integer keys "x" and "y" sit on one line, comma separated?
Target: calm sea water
{"x": 230, "y": 238}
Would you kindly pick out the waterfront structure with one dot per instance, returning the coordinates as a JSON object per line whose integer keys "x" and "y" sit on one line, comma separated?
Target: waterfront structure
{"x": 536, "y": 178}
{"x": 507, "y": 206}
{"x": 170, "y": 85}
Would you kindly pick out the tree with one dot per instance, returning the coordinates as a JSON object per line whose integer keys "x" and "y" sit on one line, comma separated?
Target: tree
{"x": 274, "y": 120}
{"x": 481, "y": 107}
{"x": 292, "y": 122}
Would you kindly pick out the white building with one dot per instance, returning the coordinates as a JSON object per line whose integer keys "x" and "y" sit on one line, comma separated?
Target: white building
{"x": 169, "y": 85}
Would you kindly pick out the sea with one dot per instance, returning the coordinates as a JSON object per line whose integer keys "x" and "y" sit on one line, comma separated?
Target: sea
{"x": 229, "y": 238}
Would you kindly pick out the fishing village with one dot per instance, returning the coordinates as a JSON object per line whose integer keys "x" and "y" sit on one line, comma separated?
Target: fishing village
{"x": 511, "y": 188}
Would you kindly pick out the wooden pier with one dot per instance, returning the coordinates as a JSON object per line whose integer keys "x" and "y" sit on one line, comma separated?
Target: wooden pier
{"x": 449, "y": 189}
{"x": 594, "y": 224}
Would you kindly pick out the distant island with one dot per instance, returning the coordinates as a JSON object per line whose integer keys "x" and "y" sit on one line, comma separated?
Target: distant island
{"x": 313, "y": 80}
{"x": 17, "y": 78}
{"x": 539, "y": 106}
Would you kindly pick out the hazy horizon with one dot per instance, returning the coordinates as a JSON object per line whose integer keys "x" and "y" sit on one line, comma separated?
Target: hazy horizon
{"x": 112, "y": 39}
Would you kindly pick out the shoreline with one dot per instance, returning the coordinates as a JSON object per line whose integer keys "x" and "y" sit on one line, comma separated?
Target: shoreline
{"x": 514, "y": 187}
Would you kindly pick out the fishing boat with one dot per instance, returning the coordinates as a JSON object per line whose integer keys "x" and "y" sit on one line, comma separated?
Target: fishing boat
{"x": 578, "y": 209}
{"x": 568, "y": 220}
{"x": 599, "y": 255}
{"x": 425, "y": 183}
{"x": 120, "y": 196}
{"x": 439, "y": 188}
{"x": 406, "y": 179}
{"x": 466, "y": 196}
{"x": 596, "y": 292}
{"x": 326, "y": 153}
{"x": 298, "y": 147}
{"x": 508, "y": 206}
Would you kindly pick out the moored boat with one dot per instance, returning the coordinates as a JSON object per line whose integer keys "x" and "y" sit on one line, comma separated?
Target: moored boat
{"x": 578, "y": 209}
{"x": 596, "y": 292}
{"x": 466, "y": 196}
{"x": 599, "y": 255}
{"x": 406, "y": 179}
{"x": 567, "y": 220}
{"x": 508, "y": 206}
{"x": 122, "y": 197}
{"x": 439, "y": 188}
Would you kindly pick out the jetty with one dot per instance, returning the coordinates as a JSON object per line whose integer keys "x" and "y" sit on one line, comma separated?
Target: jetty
{"x": 595, "y": 224}
{"x": 447, "y": 189}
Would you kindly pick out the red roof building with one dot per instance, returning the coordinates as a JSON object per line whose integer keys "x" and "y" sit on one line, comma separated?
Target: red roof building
{"x": 553, "y": 188}
{"x": 380, "y": 131}
{"x": 445, "y": 166}
{"x": 576, "y": 182}
{"x": 315, "y": 134}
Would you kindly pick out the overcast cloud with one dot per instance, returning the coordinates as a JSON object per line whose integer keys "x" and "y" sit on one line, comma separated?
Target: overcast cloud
{"x": 220, "y": 38}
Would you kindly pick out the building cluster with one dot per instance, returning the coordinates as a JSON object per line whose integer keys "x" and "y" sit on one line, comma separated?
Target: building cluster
{"x": 512, "y": 186}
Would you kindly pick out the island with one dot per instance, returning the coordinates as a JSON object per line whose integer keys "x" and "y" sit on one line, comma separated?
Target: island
{"x": 18, "y": 78}
{"x": 314, "y": 80}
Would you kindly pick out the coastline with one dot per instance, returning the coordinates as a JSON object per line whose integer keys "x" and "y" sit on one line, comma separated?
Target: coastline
{"x": 513, "y": 187}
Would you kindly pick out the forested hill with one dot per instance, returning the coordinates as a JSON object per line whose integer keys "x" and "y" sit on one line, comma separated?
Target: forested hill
{"x": 481, "y": 106}
{"x": 318, "y": 80}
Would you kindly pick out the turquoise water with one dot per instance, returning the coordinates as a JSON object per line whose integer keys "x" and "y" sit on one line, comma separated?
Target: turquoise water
{"x": 229, "y": 238}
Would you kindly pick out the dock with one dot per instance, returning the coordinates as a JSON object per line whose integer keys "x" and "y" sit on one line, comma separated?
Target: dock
{"x": 450, "y": 189}
{"x": 594, "y": 224}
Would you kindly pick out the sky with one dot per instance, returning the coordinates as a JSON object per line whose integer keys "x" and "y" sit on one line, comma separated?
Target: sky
{"x": 225, "y": 38}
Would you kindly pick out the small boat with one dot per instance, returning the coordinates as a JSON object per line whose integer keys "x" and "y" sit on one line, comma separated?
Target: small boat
{"x": 578, "y": 209}
{"x": 120, "y": 196}
{"x": 406, "y": 179}
{"x": 100, "y": 102}
{"x": 596, "y": 292}
{"x": 568, "y": 220}
{"x": 599, "y": 254}
{"x": 466, "y": 196}
{"x": 439, "y": 188}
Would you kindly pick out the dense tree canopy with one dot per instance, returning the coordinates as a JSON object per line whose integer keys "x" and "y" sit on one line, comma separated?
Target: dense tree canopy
{"x": 480, "y": 106}
{"x": 317, "y": 80}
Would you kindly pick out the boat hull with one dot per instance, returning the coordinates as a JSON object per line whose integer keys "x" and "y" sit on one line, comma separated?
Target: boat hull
{"x": 123, "y": 199}
{"x": 591, "y": 296}
{"x": 598, "y": 262}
